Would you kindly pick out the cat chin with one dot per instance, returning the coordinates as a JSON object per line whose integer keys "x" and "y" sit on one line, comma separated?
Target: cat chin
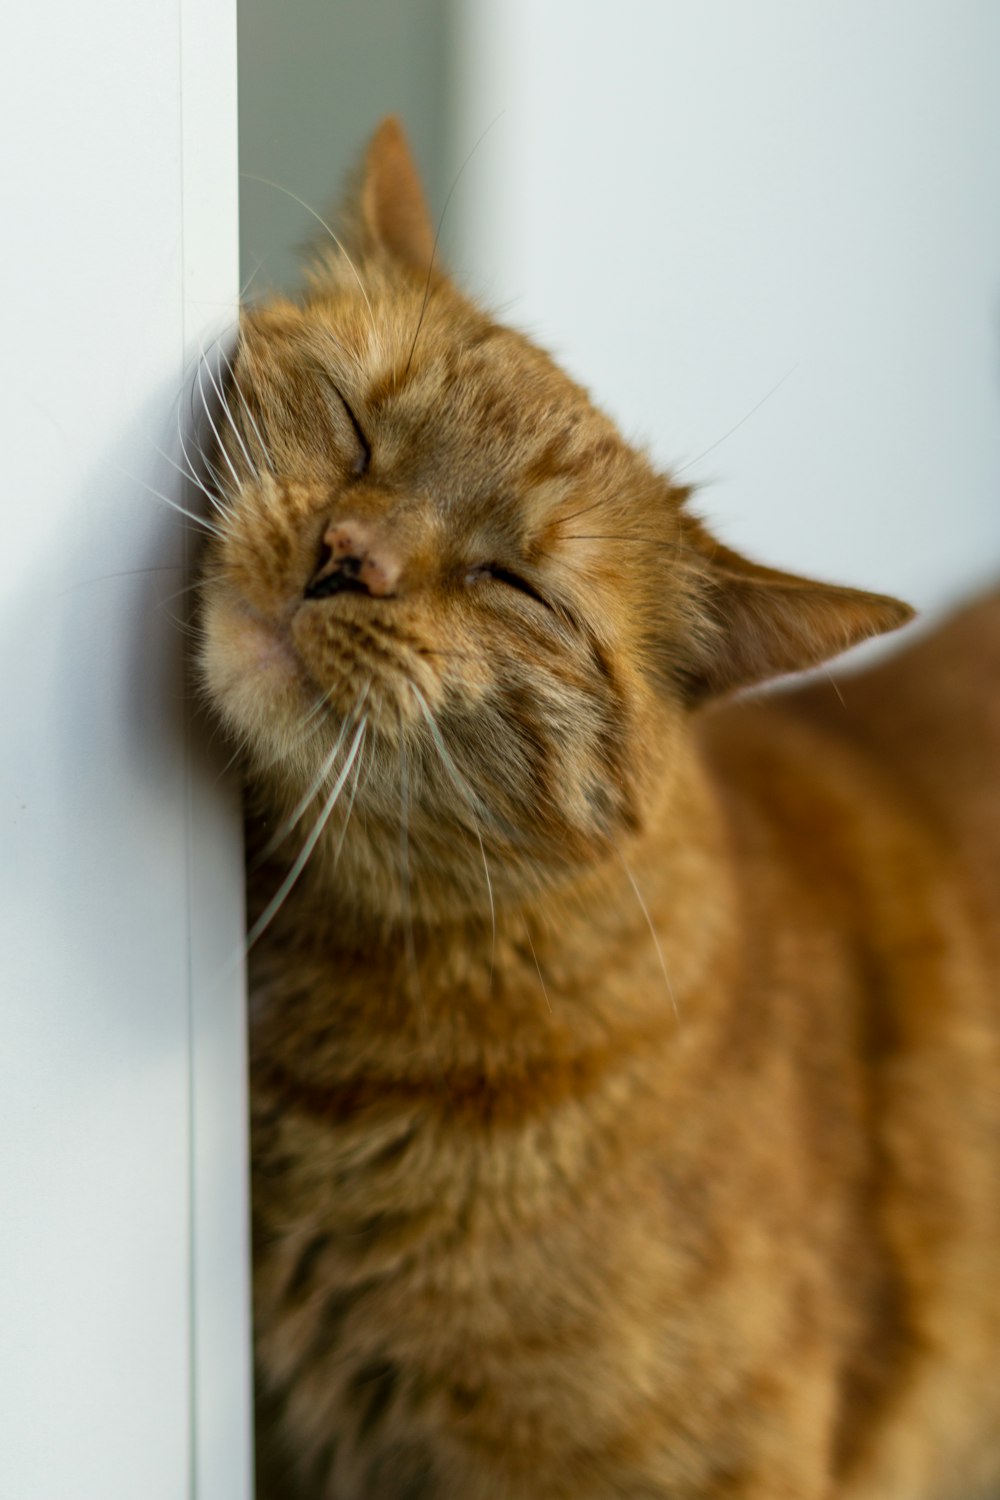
{"x": 253, "y": 673}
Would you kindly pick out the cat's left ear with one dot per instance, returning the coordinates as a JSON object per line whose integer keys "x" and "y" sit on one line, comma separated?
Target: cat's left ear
{"x": 393, "y": 208}
{"x": 754, "y": 623}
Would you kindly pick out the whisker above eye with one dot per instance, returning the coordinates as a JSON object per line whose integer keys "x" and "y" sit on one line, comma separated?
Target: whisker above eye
{"x": 437, "y": 236}
{"x": 253, "y": 177}
{"x": 646, "y": 541}
{"x": 737, "y": 425}
{"x": 584, "y": 510}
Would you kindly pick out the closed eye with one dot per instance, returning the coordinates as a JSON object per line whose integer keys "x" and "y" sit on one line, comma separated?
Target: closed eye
{"x": 363, "y": 458}
{"x": 508, "y": 577}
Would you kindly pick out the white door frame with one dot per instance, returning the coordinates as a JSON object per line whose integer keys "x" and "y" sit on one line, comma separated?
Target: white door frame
{"x": 124, "y": 1328}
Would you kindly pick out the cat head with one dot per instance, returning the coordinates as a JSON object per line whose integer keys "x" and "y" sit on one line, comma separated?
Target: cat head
{"x": 449, "y": 610}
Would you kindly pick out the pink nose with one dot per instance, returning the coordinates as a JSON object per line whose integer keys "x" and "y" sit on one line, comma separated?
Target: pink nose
{"x": 354, "y": 561}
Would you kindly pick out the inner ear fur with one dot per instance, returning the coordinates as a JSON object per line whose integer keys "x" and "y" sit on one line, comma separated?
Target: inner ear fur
{"x": 755, "y": 623}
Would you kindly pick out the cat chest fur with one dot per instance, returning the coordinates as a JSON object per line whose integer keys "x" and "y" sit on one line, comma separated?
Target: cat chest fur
{"x": 504, "y": 1257}
{"x": 486, "y": 1284}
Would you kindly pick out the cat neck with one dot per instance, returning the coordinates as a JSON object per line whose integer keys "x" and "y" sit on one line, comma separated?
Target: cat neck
{"x": 628, "y": 948}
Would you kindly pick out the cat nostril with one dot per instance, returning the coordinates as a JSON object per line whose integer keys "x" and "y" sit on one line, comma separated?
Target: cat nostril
{"x": 350, "y": 563}
{"x": 341, "y": 580}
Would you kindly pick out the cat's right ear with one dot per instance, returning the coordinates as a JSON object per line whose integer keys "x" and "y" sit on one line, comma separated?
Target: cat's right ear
{"x": 749, "y": 623}
{"x": 391, "y": 205}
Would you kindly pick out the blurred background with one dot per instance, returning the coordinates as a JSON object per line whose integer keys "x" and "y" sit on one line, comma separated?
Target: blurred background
{"x": 766, "y": 237}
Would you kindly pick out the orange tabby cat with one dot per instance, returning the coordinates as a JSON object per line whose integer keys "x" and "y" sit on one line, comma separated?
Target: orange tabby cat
{"x": 626, "y": 1068}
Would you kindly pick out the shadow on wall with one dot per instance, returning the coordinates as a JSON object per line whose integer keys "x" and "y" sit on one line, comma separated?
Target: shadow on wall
{"x": 314, "y": 80}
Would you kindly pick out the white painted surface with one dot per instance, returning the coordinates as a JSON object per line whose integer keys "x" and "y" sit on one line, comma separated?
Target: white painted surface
{"x": 315, "y": 79}
{"x": 692, "y": 202}
{"x": 123, "y": 1331}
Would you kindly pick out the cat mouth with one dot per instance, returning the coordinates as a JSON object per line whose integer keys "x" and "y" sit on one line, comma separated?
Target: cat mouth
{"x": 359, "y": 650}
{"x": 275, "y": 677}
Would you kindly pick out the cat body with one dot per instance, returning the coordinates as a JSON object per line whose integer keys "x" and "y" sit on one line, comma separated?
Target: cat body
{"x": 625, "y": 1063}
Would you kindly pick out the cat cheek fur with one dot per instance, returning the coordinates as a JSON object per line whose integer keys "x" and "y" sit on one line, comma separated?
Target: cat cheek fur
{"x": 252, "y": 676}
{"x": 625, "y": 1107}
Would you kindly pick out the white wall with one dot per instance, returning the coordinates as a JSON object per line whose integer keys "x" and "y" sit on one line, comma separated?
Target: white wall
{"x": 690, "y": 202}
{"x": 123, "y": 1327}
{"x": 315, "y": 79}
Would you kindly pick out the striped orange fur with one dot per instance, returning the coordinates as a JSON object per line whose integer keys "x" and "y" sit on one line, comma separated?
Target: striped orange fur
{"x": 626, "y": 1055}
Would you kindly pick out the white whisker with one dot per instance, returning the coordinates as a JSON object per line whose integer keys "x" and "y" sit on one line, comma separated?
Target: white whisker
{"x": 404, "y": 840}
{"x": 224, "y": 404}
{"x": 463, "y": 786}
{"x": 320, "y": 220}
{"x": 652, "y": 933}
{"x": 835, "y": 685}
{"x": 220, "y": 446}
{"x": 282, "y": 833}
{"x": 246, "y": 285}
{"x": 189, "y": 588}
{"x": 278, "y": 899}
{"x": 541, "y": 981}
{"x": 250, "y": 416}
{"x": 216, "y": 476}
{"x": 181, "y": 510}
{"x": 192, "y": 478}
{"x": 437, "y": 236}
{"x": 210, "y": 468}
{"x": 471, "y": 800}
{"x": 350, "y": 804}
{"x": 736, "y": 427}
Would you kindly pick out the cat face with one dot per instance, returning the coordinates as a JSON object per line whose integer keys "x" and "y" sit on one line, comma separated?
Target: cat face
{"x": 429, "y": 539}
{"x": 446, "y": 588}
